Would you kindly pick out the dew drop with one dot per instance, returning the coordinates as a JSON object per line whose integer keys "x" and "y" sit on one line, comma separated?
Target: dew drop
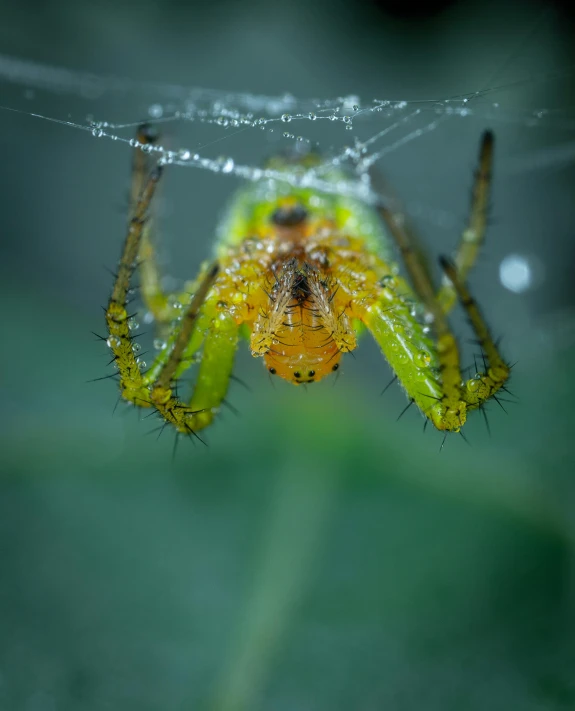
{"x": 156, "y": 110}
{"x": 158, "y": 344}
{"x": 423, "y": 359}
{"x": 136, "y": 347}
{"x": 113, "y": 342}
{"x": 184, "y": 155}
{"x": 141, "y": 364}
{"x": 473, "y": 385}
{"x": 227, "y": 165}
{"x": 133, "y": 325}
{"x": 286, "y": 118}
{"x": 312, "y": 116}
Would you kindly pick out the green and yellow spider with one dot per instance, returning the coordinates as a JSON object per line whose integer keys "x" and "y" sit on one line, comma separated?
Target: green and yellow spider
{"x": 300, "y": 274}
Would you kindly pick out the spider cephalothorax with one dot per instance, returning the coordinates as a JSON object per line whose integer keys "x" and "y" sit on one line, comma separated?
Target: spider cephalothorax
{"x": 298, "y": 273}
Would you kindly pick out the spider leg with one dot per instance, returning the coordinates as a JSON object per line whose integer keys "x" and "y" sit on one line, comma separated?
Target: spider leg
{"x": 449, "y": 413}
{"x": 474, "y": 233}
{"x": 117, "y": 319}
{"x": 216, "y": 364}
{"x": 482, "y": 387}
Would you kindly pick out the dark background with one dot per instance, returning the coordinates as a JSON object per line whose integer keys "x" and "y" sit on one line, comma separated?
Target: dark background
{"x": 318, "y": 555}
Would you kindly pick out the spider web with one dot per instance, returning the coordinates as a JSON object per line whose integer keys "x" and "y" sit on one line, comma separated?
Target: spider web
{"x": 232, "y": 132}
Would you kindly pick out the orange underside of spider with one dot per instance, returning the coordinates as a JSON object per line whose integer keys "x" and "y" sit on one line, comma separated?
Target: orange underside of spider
{"x": 299, "y": 289}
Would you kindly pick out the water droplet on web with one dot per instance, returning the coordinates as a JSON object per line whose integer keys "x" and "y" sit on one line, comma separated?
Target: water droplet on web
{"x": 227, "y": 165}
{"x": 312, "y": 116}
{"x": 355, "y": 107}
{"x": 158, "y": 344}
{"x": 184, "y": 154}
{"x": 347, "y": 119}
{"x": 286, "y": 118}
{"x": 97, "y": 132}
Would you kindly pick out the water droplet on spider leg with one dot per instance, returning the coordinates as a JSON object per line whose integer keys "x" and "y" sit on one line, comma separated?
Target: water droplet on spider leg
{"x": 113, "y": 342}
{"x": 142, "y": 365}
{"x": 473, "y": 384}
{"x": 423, "y": 359}
{"x": 136, "y": 347}
{"x": 133, "y": 325}
{"x": 388, "y": 281}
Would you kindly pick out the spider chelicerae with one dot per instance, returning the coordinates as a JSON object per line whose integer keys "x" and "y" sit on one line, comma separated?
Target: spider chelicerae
{"x": 299, "y": 274}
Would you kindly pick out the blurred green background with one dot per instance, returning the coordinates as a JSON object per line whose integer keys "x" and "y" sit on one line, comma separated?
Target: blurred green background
{"x": 318, "y": 555}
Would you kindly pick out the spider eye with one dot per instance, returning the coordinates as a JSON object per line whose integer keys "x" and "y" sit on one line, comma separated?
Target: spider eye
{"x": 272, "y": 371}
{"x": 289, "y": 216}
{"x": 336, "y": 366}
{"x": 311, "y": 374}
{"x": 297, "y": 375}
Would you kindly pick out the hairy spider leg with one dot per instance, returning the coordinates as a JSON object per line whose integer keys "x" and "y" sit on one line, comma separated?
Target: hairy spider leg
{"x": 120, "y": 340}
{"x": 473, "y": 235}
{"x": 219, "y": 347}
{"x": 449, "y": 412}
{"x": 155, "y": 389}
{"x": 483, "y": 386}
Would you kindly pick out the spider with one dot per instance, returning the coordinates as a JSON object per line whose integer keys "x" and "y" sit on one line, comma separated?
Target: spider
{"x": 300, "y": 275}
